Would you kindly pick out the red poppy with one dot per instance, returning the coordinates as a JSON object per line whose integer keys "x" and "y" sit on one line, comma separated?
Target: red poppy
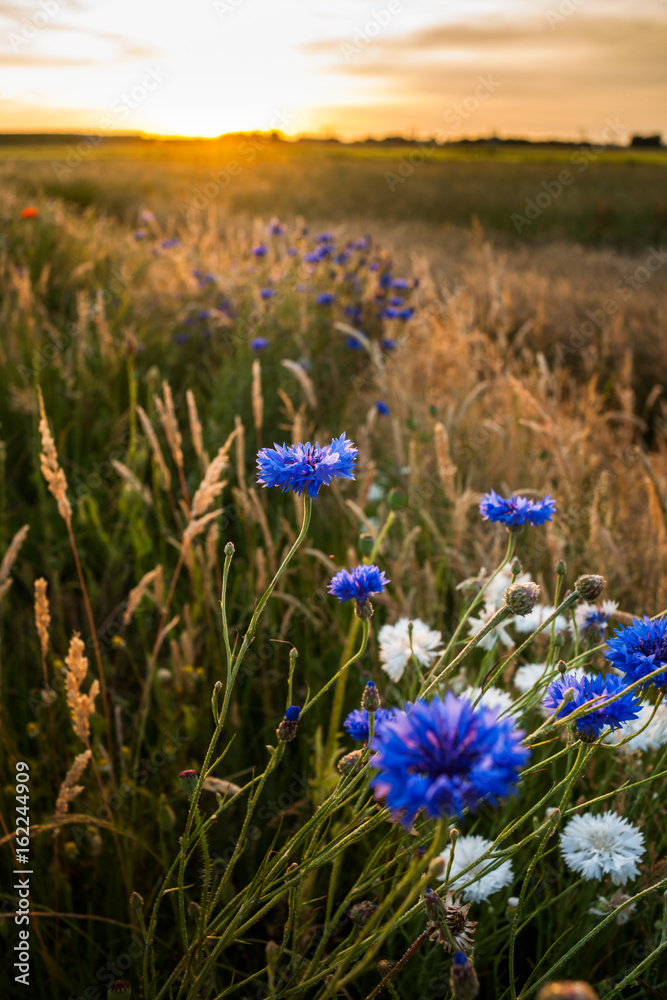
{"x": 29, "y": 213}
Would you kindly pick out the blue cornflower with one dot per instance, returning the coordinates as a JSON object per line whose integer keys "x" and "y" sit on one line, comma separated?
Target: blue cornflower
{"x": 517, "y": 510}
{"x": 266, "y": 293}
{"x": 173, "y": 241}
{"x": 324, "y": 238}
{"x": 389, "y": 313}
{"x": 292, "y": 713}
{"x": 275, "y": 228}
{"x": 400, "y": 283}
{"x": 353, "y": 344}
{"x": 600, "y": 687}
{"x": 140, "y": 234}
{"x": 306, "y": 467}
{"x": 311, "y": 258}
{"x": 259, "y": 343}
{"x": 406, "y": 313}
{"x": 382, "y": 407}
{"x": 445, "y": 756}
{"x": 357, "y": 722}
{"x": 180, "y": 339}
{"x": 385, "y": 280}
{"x": 204, "y": 314}
{"x": 354, "y": 312}
{"x": 358, "y": 584}
{"x": 325, "y": 298}
{"x": 388, "y": 344}
{"x": 396, "y": 300}
{"x": 259, "y": 250}
{"x": 639, "y": 649}
{"x": 342, "y": 257}
{"x": 292, "y": 251}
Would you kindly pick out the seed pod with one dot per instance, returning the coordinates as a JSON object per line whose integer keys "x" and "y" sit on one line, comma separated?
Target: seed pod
{"x": 589, "y": 587}
{"x": 521, "y": 598}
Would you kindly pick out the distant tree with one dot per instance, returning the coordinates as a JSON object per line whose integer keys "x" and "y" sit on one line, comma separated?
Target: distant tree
{"x": 651, "y": 141}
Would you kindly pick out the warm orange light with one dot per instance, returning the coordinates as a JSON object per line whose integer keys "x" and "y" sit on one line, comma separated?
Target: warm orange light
{"x": 29, "y": 212}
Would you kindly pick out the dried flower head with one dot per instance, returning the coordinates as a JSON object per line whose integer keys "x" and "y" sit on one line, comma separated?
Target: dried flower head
{"x": 53, "y": 474}
{"x": 69, "y": 788}
{"x": 521, "y": 598}
{"x": 42, "y": 614}
{"x": 81, "y": 706}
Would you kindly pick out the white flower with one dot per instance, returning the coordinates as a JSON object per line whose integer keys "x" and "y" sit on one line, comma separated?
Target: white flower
{"x": 654, "y": 736}
{"x": 495, "y": 593}
{"x": 528, "y": 675}
{"x": 492, "y": 697}
{"x": 497, "y": 634}
{"x": 468, "y": 850}
{"x": 531, "y": 622}
{"x": 608, "y": 844}
{"x": 594, "y": 614}
{"x": 605, "y": 906}
{"x": 395, "y": 645}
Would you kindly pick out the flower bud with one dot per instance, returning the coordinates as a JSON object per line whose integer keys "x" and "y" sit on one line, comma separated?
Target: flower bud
{"x": 136, "y": 901}
{"x": 286, "y": 731}
{"x": 351, "y": 762}
{"x": 363, "y": 610}
{"x": 561, "y": 666}
{"x": 436, "y": 867}
{"x": 516, "y": 568}
{"x": 561, "y": 567}
{"x": 521, "y": 598}
{"x": 188, "y": 780}
{"x": 119, "y": 989}
{"x": 567, "y": 990}
{"x": 291, "y": 868}
{"x": 463, "y": 981}
{"x": 366, "y": 543}
{"x": 194, "y": 910}
{"x": 589, "y": 587}
{"x": 271, "y": 951}
{"x": 370, "y": 700}
{"x": 397, "y": 500}
{"x": 362, "y": 912}
{"x": 436, "y": 910}
{"x": 385, "y": 967}
{"x": 229, "y": 549}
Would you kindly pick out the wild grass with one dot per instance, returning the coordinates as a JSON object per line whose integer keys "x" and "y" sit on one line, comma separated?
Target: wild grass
{"x": 157, "y": 404}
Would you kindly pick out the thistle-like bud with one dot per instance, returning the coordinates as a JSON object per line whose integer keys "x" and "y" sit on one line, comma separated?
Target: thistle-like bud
{"x": 561, "y": 666}
{"x": 136, "y": 901}
{"x": 553, "y": 818}
{"x": 559, "y": 640}
{"x": 385, "y": 967}
{"x": 362, "y": 912}
{"x": 516, "y": 568}
{"x": 463, "y": 981}
{"x": 363, "y": 610}
{"x": 453, "y": 835}
{"x": 351, "y": 762}
{"x": 286, "y": 731}
{"x": 568, "y": 694}
{"x": 521, "y": 598}
{"x": 397, "y": 500}
{"x": 229, "y": 549}
{"x": 194, "y": 910}
{"x": 435, "y": 907}
{"x": 561, "y": 567}
{"x": 370, "y": 699}
{"x": 119, "y": 989}
{"x": 188, "y": 780}
{"x": 589, "y": 587}
{"x": 291, "y": 868}
{"x": 567, "y": 990}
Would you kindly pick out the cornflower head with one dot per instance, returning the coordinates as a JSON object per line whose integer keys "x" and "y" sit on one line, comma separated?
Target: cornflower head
{"x": 595, "y": 846}
{"x": 356, "y": 722}
{"x": 400, "y": 641}
{"x": 592, "y": 619}
{"x": 595, "y": 688}
{"x": 306, "y": 467}
{"x": 445, "y": 756}
{"x": 358, "y": 585}
{"x": 516, "y": 511}
{"x": 639, "y": 649}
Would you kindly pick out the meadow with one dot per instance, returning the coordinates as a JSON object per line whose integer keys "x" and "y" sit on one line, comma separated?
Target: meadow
{"x": 171, "y": 332}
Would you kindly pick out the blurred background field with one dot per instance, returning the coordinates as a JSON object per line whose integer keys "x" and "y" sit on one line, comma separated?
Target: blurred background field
{"x": 508, "y": 372}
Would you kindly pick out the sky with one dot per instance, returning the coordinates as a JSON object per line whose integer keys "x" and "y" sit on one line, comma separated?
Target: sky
{"x": 569, "y": 69}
